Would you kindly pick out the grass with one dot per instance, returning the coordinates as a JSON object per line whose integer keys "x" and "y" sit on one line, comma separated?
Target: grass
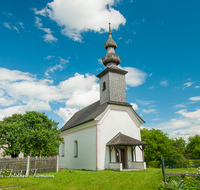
{"x": 181, "y": 171}
{"x": 78, "y": 179}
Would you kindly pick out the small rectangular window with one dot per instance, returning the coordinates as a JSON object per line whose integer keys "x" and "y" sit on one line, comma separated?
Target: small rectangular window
{"x": 75, "y": 149}
{"x": 63, "y": 149}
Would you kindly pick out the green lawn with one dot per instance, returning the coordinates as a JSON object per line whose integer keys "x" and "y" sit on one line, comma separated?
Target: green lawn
{"x": 78, "y": 179}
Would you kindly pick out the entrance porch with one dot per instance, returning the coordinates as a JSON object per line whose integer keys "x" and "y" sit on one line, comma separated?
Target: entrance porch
{"x": 126, "y": 153}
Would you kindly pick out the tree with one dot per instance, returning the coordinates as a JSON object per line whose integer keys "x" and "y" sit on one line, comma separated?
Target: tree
{"x": 158, "y": 144}
{"x": 177, "y": 149}
{"x": 32, "y": 132}
{"x": 193, "y": 146}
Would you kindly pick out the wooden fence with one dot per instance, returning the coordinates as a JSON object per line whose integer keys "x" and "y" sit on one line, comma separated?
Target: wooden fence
{"x": 29, "y": 165}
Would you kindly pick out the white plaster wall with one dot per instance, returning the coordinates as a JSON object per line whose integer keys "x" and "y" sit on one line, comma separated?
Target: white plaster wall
{"x": 117, "y": 119}
{"x": 138, "y": 165}
{"x": 115, "y": 166}
{"x": 86, "y": 159}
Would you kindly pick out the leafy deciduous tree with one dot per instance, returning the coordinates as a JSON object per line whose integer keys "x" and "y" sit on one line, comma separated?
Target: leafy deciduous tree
{"x": 193, "y": 146}
{"x": 32, "y": 132}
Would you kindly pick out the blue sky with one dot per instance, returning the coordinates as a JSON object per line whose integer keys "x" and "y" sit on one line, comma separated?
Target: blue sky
{"x": 51, "y": 51}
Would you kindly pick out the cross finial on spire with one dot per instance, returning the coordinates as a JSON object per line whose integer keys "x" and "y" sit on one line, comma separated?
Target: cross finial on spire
{"x": 109, "y": 29}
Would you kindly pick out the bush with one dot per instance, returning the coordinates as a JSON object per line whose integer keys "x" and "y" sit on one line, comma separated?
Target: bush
{"x": 154, "y": 164}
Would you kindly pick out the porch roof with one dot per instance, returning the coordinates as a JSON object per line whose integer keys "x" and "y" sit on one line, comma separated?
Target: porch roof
{"x": 124, "y": 140}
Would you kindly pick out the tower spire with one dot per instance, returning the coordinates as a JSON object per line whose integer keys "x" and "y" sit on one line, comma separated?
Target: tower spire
{"x": 111, "y": 58}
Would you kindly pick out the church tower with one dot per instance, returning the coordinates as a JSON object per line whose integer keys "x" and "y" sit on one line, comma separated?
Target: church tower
{"x": 112, "y": 79}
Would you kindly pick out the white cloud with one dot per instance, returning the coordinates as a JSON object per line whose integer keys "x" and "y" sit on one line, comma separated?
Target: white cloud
{"x": 149, "y": 111}
{"x": 32, "y": 105}
{"x": 25, "y": 92}
{"x": 7, "y": 25}
{"x": 164, "y": 83}
{"x": 47, "y": 37}
{"x": 83, "y": 98}
{"x": 66, "y": 113}
{"x": 135, "y": 106}
{"x": 57, "y": 66}
{"x": 156, "y": 119}
{"x": 191, "y": 115}
{"x": 150, "y": 74}
{"x": 197, "y": 86}
{"x": 143, "y": 102}
{"x": 48, "y": 57}
{"x": 21, "y": 24}
{"x": 195, "y": 98}
{"x": 179, "y": 106}
{"x": 128, "y": 41}
{"x": 187, "y": 126}
{"x": 134, "y": 77}
{"x": 77, "y": 16}
{"x": 151, "y": 87}
{"x": 10, "y": 27}
{"x": 187, "y": 84}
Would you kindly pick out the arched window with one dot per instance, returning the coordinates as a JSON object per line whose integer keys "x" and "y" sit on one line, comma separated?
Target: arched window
{"x": 104, "y": 86}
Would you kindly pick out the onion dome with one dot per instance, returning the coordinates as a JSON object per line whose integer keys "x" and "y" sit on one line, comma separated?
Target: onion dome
{"x": 111, "y": 58}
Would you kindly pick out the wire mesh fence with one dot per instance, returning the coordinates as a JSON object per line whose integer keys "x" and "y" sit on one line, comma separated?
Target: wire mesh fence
{"x": 180, "y": 168}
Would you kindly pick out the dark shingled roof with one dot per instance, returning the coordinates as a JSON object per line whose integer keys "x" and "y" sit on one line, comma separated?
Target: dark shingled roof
{"x": 121, "y": 139}
{"x": 90, "y": 112}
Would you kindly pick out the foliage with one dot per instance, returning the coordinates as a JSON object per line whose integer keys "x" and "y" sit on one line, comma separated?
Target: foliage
{"x": 159, "y": 144}
{"x": 186, "y": 183}
{"x": 193, "y": 146}
{"x": 177, "y": 149}
{"x": 154, "y": 164}
{"x": 32, "y": 133}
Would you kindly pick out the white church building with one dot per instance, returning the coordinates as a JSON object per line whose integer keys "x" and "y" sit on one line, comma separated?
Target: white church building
{"x": 105, "y": 134}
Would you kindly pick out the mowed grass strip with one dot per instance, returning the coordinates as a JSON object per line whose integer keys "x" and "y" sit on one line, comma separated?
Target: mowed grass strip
{"x": 79, "y": 179}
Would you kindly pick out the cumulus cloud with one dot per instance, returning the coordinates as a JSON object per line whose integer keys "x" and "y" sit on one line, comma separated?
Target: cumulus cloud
{"x": 191, "y": 115}
{"x": 47, "y": 37}
{"x": 135, "y": 106}
{"x": 134, "y": 77}
{"x": 195, "y": 98}
{"x": 23, "y": 91}
{"x": 77, "y": 16}
{"x": 32, "y": 105}
{"x": 187, "y": 125}
{"x": 66, "y": 113}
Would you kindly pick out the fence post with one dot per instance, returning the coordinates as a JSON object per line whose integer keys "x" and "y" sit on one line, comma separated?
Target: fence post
{"x": 57, "y": 167}
{"x": 28, "y": 165}
{"x": 163, "y": 168}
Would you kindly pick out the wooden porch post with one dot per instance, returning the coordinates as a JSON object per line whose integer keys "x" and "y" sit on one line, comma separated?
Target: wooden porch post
{"x": 142, "y": 152}
{"x": 118, "y": 148}
{"x": 110, "y": 150}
